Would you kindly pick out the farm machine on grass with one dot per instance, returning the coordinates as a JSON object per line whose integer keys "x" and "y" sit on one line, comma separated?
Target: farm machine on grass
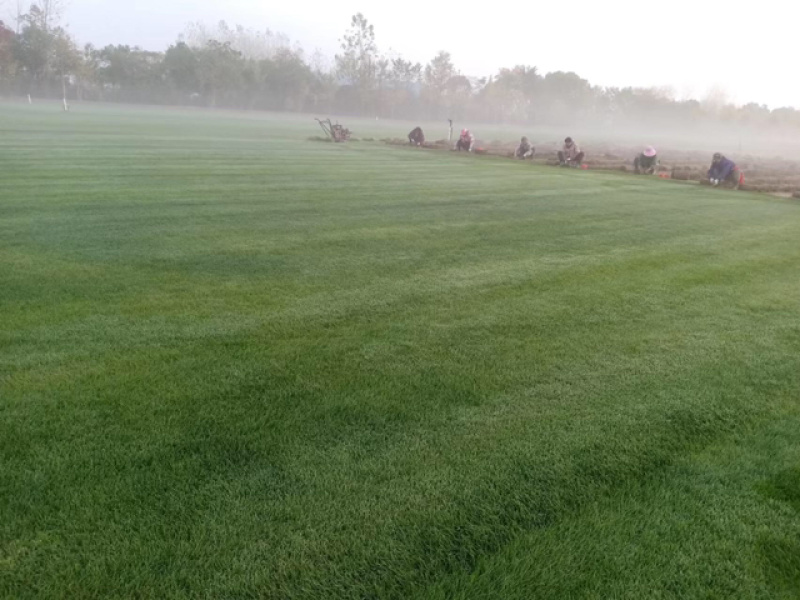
{"x": 334, "y": 131}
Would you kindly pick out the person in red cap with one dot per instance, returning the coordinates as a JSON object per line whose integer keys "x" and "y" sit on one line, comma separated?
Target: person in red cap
{"x": 466, "y": 141}
{"x": 646, "y": 162}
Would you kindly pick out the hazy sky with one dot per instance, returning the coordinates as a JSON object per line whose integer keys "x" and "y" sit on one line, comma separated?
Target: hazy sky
{"x": 689, "y": 45}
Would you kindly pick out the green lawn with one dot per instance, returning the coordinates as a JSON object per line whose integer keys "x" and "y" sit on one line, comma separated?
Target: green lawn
{"x": 238, "y": 364}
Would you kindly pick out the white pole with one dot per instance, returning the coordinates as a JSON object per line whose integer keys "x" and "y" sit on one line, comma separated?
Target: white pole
{"x": 30, "y": 101}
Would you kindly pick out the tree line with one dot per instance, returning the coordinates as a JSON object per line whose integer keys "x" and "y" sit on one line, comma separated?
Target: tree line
{"x": 237, "y": 67}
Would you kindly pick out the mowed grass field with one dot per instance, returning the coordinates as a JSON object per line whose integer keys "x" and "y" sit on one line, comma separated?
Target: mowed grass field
{"x": 238, "y": 364}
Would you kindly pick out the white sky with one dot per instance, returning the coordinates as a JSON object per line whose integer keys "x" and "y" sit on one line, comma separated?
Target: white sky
{"x": 689, "y": 45}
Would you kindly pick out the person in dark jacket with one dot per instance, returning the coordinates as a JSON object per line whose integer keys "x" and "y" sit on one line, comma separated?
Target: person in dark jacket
{"x": 724, "y": 171}
{"x": 416, "y": 137}
{"x": 525, "y": 150}
{"x": 646, "y": 162}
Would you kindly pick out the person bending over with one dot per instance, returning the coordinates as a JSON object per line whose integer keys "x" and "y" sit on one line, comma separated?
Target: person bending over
{"x": 416, "y": 137}
{"x": 646, "y": 162}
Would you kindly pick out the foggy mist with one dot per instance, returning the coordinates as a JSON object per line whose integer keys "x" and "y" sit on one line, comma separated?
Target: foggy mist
{"x": 226, "y": 65}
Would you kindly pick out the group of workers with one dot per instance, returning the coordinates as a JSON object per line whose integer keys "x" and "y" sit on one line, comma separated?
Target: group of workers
{"x": 723, "y": 171}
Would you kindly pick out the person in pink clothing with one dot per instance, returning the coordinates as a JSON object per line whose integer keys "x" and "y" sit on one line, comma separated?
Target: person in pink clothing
{"x": 466, "y": 141}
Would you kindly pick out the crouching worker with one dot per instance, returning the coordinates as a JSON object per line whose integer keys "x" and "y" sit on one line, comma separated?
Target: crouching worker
{"x": 525, "y": 150}
{"x": 466, "y": 141}
{"x": 416, "y": 137}
{"x": 724, "y": 171}
{"x": 646, "y": 162}
{"x": 570, "y": 155}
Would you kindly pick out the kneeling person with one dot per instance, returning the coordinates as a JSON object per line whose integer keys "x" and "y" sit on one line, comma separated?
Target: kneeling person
{"x": 525, "y": 150}
{"x": 570, "y": 155}
{"x": 724, "y": 171}
{"x": 416, "y": 137}
{"x": 466, "y": 141}
{"x": 646, "y": 162}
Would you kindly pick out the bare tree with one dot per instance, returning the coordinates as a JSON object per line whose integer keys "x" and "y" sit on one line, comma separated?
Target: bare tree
{"x": 44, "y": 14}
{"x": 19, "y": 17}
{"x": 357, "y": 62}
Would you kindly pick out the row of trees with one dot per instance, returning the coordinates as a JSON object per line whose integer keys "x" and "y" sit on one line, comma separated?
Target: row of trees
{"x": 241, "y": 68}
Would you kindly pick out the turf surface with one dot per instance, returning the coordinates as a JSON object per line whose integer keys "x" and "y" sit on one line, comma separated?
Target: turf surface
{"x": 238, "y": 364}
